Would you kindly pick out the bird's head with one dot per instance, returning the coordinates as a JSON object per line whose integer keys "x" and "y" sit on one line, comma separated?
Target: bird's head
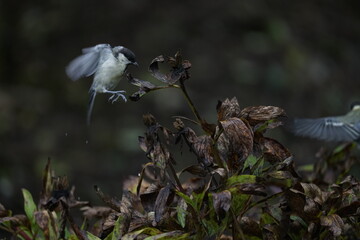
{"x": 122, "y": 53}
{"x": 355, "y": 105}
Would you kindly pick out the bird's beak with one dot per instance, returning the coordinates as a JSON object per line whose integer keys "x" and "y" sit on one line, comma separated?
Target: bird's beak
{"x": 135, "y": 64}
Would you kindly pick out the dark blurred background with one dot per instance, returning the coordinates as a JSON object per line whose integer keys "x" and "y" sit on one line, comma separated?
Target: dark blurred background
{"x": 301, "y": 55}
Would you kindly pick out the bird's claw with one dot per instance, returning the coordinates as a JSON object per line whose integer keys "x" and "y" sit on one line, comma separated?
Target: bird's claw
{"x": 116, "y": 96}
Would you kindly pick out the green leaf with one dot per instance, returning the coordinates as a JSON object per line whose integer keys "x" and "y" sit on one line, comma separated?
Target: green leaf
{"x": 133, "y": 235}
{"x": 259, "y": 166}
{"x": 238, "y": 201}
{"x": 116, "y": 233}
{"x": 173, "y": 235}
{"x": 306, "y": 168}
{"x": 266, "y": 218}
{"x": 90, "y": 236}
{"x": 296, "y": 218}
{"x": 249, "y": 162}
{"x": 30, "y": 208}
{"x": 236, "y": 179}
{"x": 181, "y": 213}
{"x": 187, "y": 199}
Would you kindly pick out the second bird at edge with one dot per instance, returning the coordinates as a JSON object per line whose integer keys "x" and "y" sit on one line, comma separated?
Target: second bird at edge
{"x": 344, "y": 128}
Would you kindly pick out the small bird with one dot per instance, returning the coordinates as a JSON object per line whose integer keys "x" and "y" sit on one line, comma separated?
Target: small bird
{"x": 337, "y": 129}
{"x": 108, "y": 66}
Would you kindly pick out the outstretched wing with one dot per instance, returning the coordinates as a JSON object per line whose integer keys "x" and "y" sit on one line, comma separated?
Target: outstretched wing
{"x": 86, "y": 64}
{"x": 328, "y": 129}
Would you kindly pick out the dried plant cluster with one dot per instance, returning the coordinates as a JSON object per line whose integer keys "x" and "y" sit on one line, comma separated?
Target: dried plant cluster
{"x": 242, "y": 185}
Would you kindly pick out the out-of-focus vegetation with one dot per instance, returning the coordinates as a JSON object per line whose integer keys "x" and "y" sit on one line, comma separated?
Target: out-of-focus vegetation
{"x": 240, "y": 184}
{"x": 302, "y": 56}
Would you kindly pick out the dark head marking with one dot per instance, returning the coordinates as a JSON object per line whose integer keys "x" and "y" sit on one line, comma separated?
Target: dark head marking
{"x": 354, "y": 104}
{"x": 128, "y": 54}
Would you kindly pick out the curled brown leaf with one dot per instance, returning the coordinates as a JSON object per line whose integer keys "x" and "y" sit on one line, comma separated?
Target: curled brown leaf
{"x": 228, "y": 109}
{"x": 235, "y": 142}
{"x": 259, "y": 114}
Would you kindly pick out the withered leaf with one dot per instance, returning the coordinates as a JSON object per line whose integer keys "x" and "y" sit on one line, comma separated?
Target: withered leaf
{"x": 96, "y": 212}
{"x": 195, "y": 170}
{"x": 202, "y": 147}
{"x": 161, "y": 202}
{"x": 16, "y": 220}
{"x": 221, "y": 202}
{"x": 126, "y": 209}
{"x": 311, "y": 208}
{"x": 154, "y": 68}
{"x": 149, "y": 197}
{"x": 334, "y": 223}
{"x": 178, "y": 71}
{"x": 250, "y": 227}
{"x": 235, "y": 142}
{"x": 112, "y": 202}
{"x": 259, "y": 114}
{"x": 4, "y": 212}
{"x": 47, "y": 184}
{"x": 228, "y": 109}
{"x": 150, "y": 121}
{"x": 271, "y": 231}
{"x": 144, "y": 87}
{"x": 273, "y": 150}
{"x": 349, "y": 210}
{"x": 252, "y": 188}
{"x": 109, "y": 223}
{"x": 314, "y": 192}
{"x": 42, "y": 219}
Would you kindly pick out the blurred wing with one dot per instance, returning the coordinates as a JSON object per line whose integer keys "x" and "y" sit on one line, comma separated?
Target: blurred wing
{"x": 86, "y": 64}
{"x": 96, "y": 48}
{"x": 328, "y": 129}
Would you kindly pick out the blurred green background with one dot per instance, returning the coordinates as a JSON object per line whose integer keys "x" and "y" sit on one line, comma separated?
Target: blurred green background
{"x": 301, "y": 55}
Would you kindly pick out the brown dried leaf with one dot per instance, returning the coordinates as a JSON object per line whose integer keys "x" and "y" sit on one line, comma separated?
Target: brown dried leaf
{"x": 250, "y": 227}
{"x": 109, "y": 223}
{"x": 112, "y": 202}
{"x": 162, "y": 199}
{"x": 273, "y": 150}
{"x": 221, "y": 202}
{"x": 16, "y": 220}
{"x": 154, "y": 68}
{"x": 314, "y": 192}
{"x": 178, "y": 71}
{"x": 259, "y": 114}
{"x": 350, "y": 210}
{"x": 149, "y": 120}
{"x": 96, "y": 212}
{"x": 126, "y": 209}
{"x": 47, "y": 184}
{"x": 235, "y": 142}
{"x": 252, "y": 188}
{"x": 271, "y": 232}
{"x": 42, "y": 219}
{"x": 228, "y": 109}
{"x": 4, "y": 212}
{"x": 149, "y": 197}
{"x": 334, "y": 223}
{"x": 195, "y": 170}
{"x": 144, "y": 87}
{"x": 202, "y": 147}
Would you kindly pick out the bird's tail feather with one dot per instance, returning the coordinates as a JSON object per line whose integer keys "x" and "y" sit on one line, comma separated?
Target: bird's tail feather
{"x": 90, "y": 106}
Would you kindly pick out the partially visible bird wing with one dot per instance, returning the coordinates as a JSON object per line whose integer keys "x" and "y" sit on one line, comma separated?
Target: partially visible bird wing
{"x": 328, "y": 129}
{"x": 86, "y": 64}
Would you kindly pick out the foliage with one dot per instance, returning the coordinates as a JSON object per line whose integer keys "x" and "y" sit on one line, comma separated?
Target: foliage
{"x": 242, "y": 186}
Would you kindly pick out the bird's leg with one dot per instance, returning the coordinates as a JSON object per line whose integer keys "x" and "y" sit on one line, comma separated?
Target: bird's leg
{"x": 115, "y": 95}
